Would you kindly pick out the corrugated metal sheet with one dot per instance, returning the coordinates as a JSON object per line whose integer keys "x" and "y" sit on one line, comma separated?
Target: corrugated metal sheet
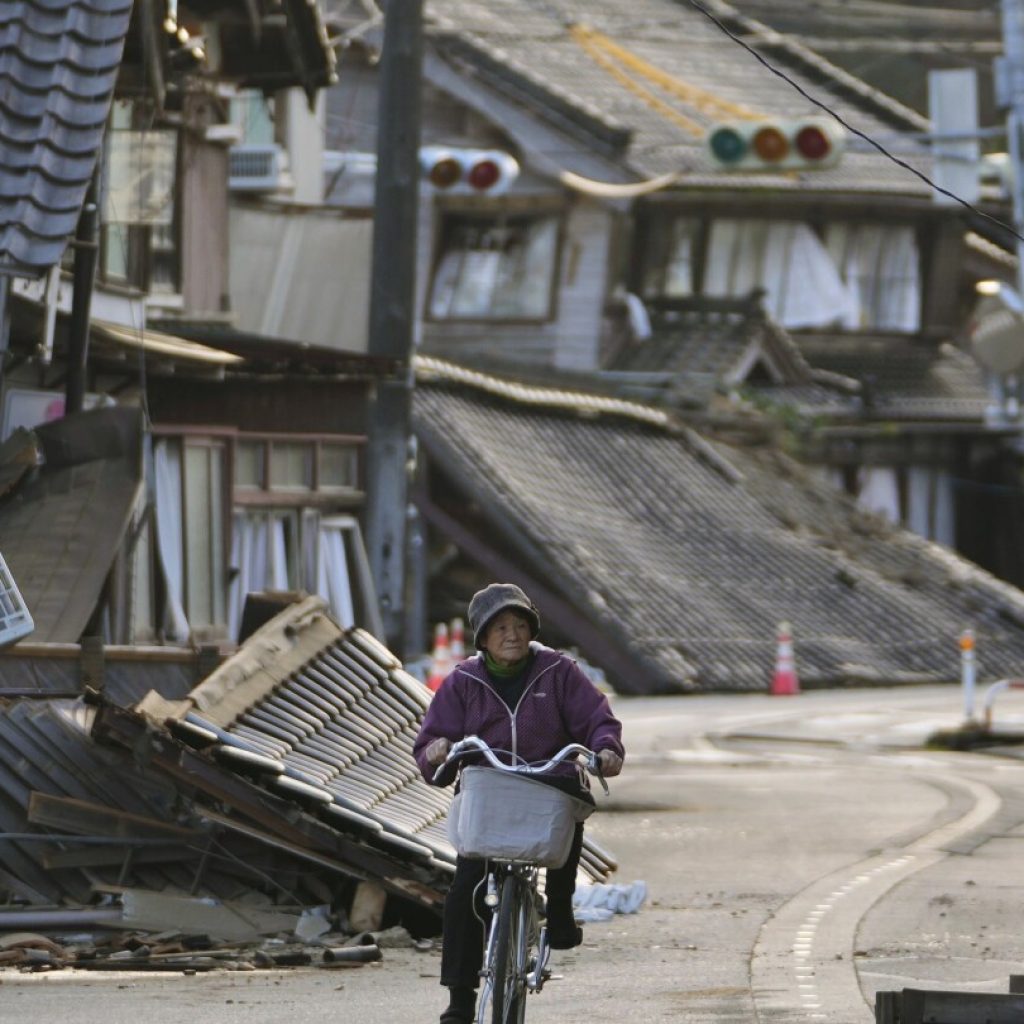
{"x": 58, "y": 64}
{"x": 688, "y": 566}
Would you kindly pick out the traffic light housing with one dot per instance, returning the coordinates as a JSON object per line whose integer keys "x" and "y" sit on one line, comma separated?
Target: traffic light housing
{"x": 456, "y": 171}
{"x": 783, "y": 144}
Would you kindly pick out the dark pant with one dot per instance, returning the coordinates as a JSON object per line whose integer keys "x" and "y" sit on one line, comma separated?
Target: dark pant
{"x": 462, "y": 950}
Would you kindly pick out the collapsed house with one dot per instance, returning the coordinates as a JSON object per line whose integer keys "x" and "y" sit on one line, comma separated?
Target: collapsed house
{"x": 283, "y": 781}
{"x": 669, "y": 557}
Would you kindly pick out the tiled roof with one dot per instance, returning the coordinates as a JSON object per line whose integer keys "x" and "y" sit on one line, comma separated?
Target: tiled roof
{"x": 701, "y": 346}
{"x": 61, "y": 529}
{"x": 673, "y": 63}
{"x": 45, "y": 748}
{"x": 903, "y": 378}
{"x": 58, "y": 64}
{"x": 326, "y": 717}
{"x": 689, "y": 562}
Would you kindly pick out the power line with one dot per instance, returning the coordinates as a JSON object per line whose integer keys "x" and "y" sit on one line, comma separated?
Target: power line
{"x": 697, "y": 5}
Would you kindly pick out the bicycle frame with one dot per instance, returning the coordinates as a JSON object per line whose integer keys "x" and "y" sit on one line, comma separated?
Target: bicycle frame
{"x": 515, "y": 937}
{"x": 523, "y": 945}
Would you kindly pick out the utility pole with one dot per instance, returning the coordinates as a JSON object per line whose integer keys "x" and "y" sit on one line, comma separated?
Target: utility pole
{"x": 84, "y": 275}
{"x": 392, "y": 296}
{"x": 1010, "y": 89}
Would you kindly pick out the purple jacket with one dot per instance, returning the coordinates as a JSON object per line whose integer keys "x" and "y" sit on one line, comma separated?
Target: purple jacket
{"x": 560, "y": 705}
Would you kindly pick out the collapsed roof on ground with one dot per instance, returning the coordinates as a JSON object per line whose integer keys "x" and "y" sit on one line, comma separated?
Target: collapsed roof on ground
{"x": 670, "y": 558}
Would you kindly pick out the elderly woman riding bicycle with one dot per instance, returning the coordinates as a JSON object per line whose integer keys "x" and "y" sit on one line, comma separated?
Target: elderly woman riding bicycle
{"x": 530, "y": 701}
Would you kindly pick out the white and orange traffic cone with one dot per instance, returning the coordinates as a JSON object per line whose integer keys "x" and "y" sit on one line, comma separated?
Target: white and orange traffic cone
{"x": 440, "y": 658}
{"x": 458, "y": 645}
{"x": 784, "y": 680}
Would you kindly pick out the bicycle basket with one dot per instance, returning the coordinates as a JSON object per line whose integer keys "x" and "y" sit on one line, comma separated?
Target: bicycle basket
{"x": 505, "y": 816}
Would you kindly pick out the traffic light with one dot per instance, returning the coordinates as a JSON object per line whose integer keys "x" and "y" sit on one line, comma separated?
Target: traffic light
{"x": 468, "y": 171}
{"x": 805, "y": 144}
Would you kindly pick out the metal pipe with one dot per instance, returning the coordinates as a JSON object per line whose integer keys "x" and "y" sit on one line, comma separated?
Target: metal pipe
{"x": 107, "y": 917}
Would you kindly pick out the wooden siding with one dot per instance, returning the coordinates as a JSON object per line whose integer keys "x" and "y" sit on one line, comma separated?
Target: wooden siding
{"x": 570, "y": 340}
{"x": 259, "y": 406}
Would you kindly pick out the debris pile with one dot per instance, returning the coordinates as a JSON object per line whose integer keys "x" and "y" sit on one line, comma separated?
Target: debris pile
{"x": 187, "y": 953}
{"x": 277, "y": 803}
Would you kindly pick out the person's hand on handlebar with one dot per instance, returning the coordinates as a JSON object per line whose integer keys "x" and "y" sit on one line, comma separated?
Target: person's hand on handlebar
{"x": 437, "y": 751}
{"x": 609, "y": 762}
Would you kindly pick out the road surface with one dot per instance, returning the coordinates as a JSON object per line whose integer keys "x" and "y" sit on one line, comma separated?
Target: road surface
{"x": 801, "y": 853}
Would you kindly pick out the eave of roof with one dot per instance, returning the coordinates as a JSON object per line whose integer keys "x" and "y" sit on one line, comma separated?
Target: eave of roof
{"x": 692, "y": 566}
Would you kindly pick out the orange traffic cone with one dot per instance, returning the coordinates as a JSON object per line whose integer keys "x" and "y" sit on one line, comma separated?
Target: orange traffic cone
{"x": 784, "y": 680}
{"x": 458, "y": 647}
{"x": 440, "y": 659}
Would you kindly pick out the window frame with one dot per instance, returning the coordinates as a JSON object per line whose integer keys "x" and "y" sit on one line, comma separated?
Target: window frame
{"x": 139, "y": 257}
{"x": 448, "y": 216}
{"x": 653, "y": 216}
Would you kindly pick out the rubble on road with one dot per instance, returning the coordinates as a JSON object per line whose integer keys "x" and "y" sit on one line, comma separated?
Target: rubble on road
{"x": 261, "y": 820}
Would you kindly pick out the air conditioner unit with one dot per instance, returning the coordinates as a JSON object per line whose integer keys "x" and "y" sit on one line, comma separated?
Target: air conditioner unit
{"x": 257, "y": 169}
{"x": 15, "y": 620}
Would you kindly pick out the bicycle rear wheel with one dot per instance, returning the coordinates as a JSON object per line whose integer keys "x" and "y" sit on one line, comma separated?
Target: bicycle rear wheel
{"x": 508, "y": 999}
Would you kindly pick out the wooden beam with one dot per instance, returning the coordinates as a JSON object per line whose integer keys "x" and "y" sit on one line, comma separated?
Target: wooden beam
{"x": 99, "y": 856}
{"x": 81, "y": 817}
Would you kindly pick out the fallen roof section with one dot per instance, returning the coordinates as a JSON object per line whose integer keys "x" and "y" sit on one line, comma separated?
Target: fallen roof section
{"x": 61, "y": 529}
{"x": 681, "y": 554}
{"x": 284, "y": 779}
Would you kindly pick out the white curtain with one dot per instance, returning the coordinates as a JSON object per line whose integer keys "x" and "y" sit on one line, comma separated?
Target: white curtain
{"x": 930, "y": 499}
{"x": 259, "y": 560}
{"x": 880, "y": 266}
{"x": 879, "y": 492}
{"x": 496, "y": 270}
{"x": 167, "y": 465}
{"x": 788, "y": 260}
{"x": 333, "y": 582}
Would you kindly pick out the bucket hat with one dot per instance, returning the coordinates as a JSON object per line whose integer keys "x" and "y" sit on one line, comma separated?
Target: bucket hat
{"x": 496, "y": 598}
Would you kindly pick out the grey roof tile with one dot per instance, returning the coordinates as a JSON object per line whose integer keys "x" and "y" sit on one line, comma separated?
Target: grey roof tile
{"x": 529, "y": 50}
{"x": 689, "y": 567}
{"x": 58, "y": 65}
{"x": 903, "y": 378}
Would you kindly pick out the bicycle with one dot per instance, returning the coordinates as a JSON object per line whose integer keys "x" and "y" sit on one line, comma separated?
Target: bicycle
{"x": 516, "y": 952}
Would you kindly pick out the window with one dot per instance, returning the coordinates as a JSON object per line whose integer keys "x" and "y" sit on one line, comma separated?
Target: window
{"x": 673, "y": 274}
{"x": 279, "y": 524}
{"x": 190, "y": 513}
{"x": 138, "y": 237}
{"x": 495, "y": 268}
{"x": 787, "y": 259}
{"x": 851, "y": 275}
{"x": 290, "y": 464}
{"x": 302, "y": 549}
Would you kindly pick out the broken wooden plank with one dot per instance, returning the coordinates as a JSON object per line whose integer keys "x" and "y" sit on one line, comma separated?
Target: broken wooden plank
{"x": 85, "y": 818}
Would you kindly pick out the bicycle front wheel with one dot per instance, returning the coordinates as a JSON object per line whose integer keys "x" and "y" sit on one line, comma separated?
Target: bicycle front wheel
{"x": 508, "y": 1000}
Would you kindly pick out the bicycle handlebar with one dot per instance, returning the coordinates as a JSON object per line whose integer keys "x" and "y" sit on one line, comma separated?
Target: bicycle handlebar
{"x": 470, "y": 744}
